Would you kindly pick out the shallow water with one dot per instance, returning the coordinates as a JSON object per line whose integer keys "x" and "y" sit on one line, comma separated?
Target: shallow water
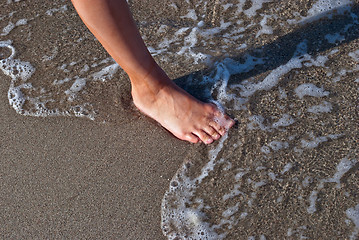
{"x": 289, "y": 74}
{"x": 290, "y": 169}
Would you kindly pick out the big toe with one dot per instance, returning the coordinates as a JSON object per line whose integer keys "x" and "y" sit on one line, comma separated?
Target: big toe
{"x": 222, "y": 123}
{"x": 190, "y": 138}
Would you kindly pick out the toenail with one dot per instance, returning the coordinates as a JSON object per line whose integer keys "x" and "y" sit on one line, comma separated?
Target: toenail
{"x": 216, "y": 136}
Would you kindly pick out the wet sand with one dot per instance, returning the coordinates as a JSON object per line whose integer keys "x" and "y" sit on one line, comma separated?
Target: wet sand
{"x": 73, "y": 178}
{"x": 70, "y": 178}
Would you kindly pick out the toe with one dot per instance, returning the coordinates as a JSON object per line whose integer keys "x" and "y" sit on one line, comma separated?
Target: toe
{"x": 220, "y": 129}
{"x": 229, "y": 122}
{"x": 207, "y": 139}
{"x": 191, "y": 138}
{"x": 212, "y": 132}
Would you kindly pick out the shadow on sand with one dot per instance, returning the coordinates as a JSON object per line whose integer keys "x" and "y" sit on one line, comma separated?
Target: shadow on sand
{"x": 314, "y": 31}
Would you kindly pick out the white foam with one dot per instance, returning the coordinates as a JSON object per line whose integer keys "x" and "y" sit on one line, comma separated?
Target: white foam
{"x": 62, "y": 81}
{"x": 190, "y": 42}
{"x": 16, "y": 97}
{"x": 184, "y": 214}
{"x": 13, "y": 1}
{"x": 324, "y": 107}
{"x": 256, "y": 122}
{"x": 256, "y": 5}
{"x": 191, "y": 14}
{"x": 259, "y": 184}
{"x": 282, "y": 93}
{"x": 322, "y": 6}
{"x": 230, "y": 211}
{"x": 182, "y": 217}
{"x": 15, "y": 68}
{"x": 54, "y": 52}
{"x": 21, "y": 22}
{"x": 278, "y": 145}
{"x": 299, "y": 59}
{"x": 20, "y": 72}
{"x": 312, "y": 202}
{"x": 51, "y": 11}
{"x": 308, "y": 180}
{"x": 342, "y": 168}
{"x": 77, "y": 86}
{"x": 85, "y": 69}
{"x": 315, "y": 141}
{"x": 285, "y": 121}
{"x": 354, "y": 55}
{"x": 106, "y": 73}
{"x": 353, "y": 215}
{"x": 265, "y": 28}
{"x": 7, "y": 29}
{"x": 287, "y": 167}
{"x": 309, "y": 89}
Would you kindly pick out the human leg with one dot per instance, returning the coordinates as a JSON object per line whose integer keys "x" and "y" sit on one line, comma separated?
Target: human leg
{"x": 153, "y": 92}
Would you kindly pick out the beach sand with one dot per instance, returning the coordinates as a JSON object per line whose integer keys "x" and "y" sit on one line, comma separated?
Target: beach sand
{"x": 73, "y": 178}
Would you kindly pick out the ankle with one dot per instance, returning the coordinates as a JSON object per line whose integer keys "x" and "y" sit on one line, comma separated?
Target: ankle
{"x": 153, "y": 81}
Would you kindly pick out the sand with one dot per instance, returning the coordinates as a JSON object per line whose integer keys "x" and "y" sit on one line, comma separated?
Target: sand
{"x": 73, "y": 178}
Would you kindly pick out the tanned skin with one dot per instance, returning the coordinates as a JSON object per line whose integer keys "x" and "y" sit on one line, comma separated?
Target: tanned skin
{"x": 153, "y": 92}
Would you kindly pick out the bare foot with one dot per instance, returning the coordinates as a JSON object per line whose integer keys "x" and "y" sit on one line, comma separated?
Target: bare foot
{"x": 184, "y": 116}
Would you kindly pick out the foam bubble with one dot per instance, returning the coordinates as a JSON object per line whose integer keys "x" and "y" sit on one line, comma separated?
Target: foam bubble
{"x": 322, "y": 6}
{"x": 256, "y": 5}
{"x": 278, "y": 145}
{"x": 312, "y": 202}
{"x": 51, "y": 11}
{"x": 324, "y": 107}
{"x": 239, "y": 202}
{"x": 315, "y": 141}
{"x": 309, "y": 89}
{"x": 105, "y": 73}
{"x": 15, "y": 68}
{"x": 20, "y": 72}
{"x": 287, "y": 167}
{"x": 343, "y": 167}
{"x": 353, "y": 215}
{"x": 265, "y": 28}
{"x": 285, "y": 121}
{"x": 7, "y": 29}
{"x": 191, "y": 14}
{"x": 180, "y": 221}
{"x": 355, "y": 55}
